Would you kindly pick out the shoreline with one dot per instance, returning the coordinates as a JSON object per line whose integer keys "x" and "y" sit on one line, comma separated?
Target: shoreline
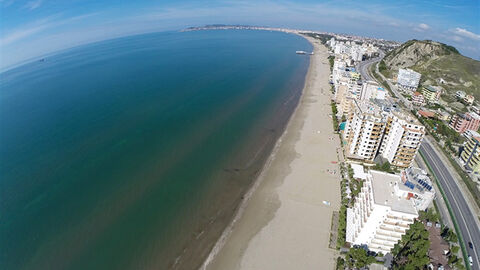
{"x": 258, "y": 211}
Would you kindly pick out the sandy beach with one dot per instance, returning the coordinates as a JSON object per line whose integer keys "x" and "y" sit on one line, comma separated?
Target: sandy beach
{"x": 284, "y": 223}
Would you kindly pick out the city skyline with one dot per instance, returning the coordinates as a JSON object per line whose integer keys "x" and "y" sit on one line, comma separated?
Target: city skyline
{"x": 34, "y": 28}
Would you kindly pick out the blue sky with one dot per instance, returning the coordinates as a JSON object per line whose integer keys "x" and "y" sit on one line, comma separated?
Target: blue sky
{"x": 29, "y": 29}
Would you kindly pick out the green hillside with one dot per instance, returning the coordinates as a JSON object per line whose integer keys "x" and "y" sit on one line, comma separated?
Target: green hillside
{"x": 440, "y": 65}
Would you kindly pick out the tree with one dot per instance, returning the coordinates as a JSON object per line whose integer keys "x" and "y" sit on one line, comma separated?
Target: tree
{"x": 358, "y": 257}
{"x": 429, "y": 215}
{"x": 340, "y": 263}
{"x": 412, "y": 250}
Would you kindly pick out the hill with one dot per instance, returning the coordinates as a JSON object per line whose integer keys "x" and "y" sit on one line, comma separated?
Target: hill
{"x": 440, "y": 65}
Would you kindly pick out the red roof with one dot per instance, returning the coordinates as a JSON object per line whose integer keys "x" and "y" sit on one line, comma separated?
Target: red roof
{"x": 426, "y": 114}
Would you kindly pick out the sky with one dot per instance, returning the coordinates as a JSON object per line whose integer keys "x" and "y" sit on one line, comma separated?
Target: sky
{"x": 33, "y": 28}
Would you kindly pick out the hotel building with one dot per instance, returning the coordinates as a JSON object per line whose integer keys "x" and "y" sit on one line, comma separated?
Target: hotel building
{"x": 384, "y": 209}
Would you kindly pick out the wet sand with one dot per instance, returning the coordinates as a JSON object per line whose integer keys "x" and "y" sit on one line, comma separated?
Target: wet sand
{"x": 283, "y": 222}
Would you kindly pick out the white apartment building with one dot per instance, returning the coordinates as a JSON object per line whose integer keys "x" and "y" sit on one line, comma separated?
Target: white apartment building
{"x": 408, "y": 79}
{"x": 364, "y": 130}
{"x": 402, "y": 139}
{"x": 382, "y": 212}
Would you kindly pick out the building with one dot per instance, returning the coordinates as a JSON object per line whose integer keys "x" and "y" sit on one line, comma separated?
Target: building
{"x": 402, "y": 138}
{"x": 364, "y": 130}
{"x": 371, "y": 90}
{"x": 408, "y": 79}
{"x": 431, "y": 94}
{"x": 418, "y": 99}
{"x": 469, "y": 99}
{"x": 383, "y": 211}
{"x": 460, "y": 95}
{"x": 462, "y": 122}
{"x": 419, "y": 187}
{"x": 470, "y": 155}
{"x": 443, "y": 115}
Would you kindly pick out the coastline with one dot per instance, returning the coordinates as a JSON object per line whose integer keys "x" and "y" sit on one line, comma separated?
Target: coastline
{"x": 282, "y": 222}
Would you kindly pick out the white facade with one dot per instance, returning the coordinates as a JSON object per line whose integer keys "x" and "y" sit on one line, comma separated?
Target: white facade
{"x": 380, "y": 215}
{"x": 371, "y": 90}
{"x": 408, "y": 79}
{"x": 364, "y": 130}
{"x": 402, "y": 140}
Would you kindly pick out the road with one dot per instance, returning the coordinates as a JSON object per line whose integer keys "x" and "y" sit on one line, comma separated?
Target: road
{"x": 364, "y": 66}
{"x": 463, "y": 214}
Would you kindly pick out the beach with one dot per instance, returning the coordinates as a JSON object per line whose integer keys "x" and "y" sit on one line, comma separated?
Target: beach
{"x": 285, "y": 219}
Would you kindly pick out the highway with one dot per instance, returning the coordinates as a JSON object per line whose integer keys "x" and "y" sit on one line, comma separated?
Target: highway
{"x": 463, "y": 214}
{"x": 365, "y": 65}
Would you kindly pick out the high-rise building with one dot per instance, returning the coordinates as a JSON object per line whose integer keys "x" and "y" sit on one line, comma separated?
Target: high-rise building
{"x": 384, "y": 210}
{"x": 402, "y": 138}
{"x": 364, "y": 130}
{"x": 408, "y": 79}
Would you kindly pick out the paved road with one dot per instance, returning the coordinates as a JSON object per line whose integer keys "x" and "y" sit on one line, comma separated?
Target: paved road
{"x": 463, "y": 214}
{"x": 364, "y": 66}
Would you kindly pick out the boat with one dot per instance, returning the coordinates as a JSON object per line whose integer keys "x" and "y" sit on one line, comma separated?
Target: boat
{"x": 301, "y": 52}
{"x": 311, "y": 53}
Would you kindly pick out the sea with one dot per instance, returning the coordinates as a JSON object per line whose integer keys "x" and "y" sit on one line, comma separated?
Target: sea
{"x": 135, "y": 153}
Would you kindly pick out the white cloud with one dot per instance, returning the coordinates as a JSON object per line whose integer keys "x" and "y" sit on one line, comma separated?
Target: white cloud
{"x": 34, "y": 4}
{"x": 457, "y": 38}
{"x": 421, "y": 27}
{"x": 424, "y": 26}
{"x": 465, "y": 33}
{"x": 37, "y": 27}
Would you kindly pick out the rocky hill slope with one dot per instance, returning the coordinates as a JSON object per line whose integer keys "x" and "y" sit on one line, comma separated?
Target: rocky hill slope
{"x": 440, "y": 65}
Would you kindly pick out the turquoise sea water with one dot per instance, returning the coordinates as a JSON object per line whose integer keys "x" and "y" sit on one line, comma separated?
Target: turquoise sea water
{"x": 133, "y": 153}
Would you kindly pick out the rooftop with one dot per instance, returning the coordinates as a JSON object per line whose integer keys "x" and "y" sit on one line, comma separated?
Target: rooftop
{"x": 358, "y": 171}
{"x": 431, "y": 88}
{"x": 384, "y": 194}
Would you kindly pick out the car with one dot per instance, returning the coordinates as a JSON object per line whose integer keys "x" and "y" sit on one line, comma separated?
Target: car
{"x": 470, "y": 260}
{"x": 470, "y": 245}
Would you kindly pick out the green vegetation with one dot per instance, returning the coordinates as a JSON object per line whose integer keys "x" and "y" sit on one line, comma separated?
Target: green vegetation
{"x": 355, "y": 185}
{"x": 322, "y": 37}
{"x": 334, "y": 116}
{"x": 440, "y": 130}
{"x": 331, "y": 59}
{"x": 342, "y": 215}
{"x": 449, "y": 235}
{"x": 411, "y": 252}
{"x": 380, "y": 80}
{"x": 358, "y": 258}
{"x": 385, "y": 167}
{"x": 382, "y": 68}
{"x": 429, "y": 215}
{"x": 342, "y": 226}
{"x": 340, "y": 265}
